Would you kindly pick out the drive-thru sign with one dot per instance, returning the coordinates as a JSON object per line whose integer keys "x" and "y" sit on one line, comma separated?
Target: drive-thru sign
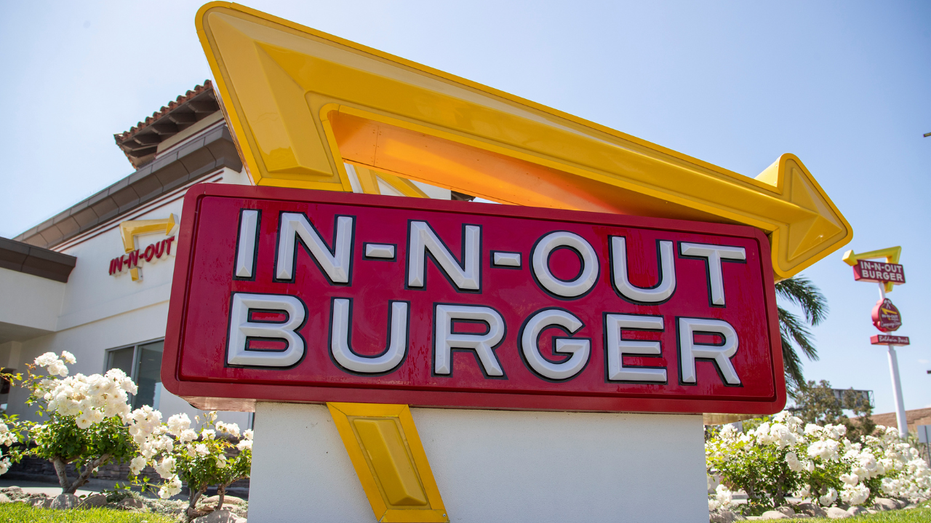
{"x": 289, "y": 295}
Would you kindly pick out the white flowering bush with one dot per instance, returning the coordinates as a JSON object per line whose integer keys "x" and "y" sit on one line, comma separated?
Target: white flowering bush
{"x": 782, "y": 457}
{"x": 85, "y": 418}
{"x": 199, "y": 458}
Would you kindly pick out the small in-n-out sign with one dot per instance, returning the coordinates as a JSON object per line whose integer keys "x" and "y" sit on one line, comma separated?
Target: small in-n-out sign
{"x": 873, "y": 271}
{"x": 306, "y": 296}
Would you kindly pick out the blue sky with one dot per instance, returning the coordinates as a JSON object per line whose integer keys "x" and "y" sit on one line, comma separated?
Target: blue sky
{"x": 846, "y": 86}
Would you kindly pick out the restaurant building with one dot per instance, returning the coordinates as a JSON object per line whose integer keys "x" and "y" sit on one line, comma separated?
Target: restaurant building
{"x": 95, "y": 279}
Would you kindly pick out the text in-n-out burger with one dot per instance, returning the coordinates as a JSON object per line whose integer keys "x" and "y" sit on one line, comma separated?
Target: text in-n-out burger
{"x": 880, "y": 272}
{"x": 147, "y": 254}
{"x": 306, "y": 296}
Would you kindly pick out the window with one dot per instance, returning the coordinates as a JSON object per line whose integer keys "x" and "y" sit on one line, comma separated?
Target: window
{"x": 142, "y": 363}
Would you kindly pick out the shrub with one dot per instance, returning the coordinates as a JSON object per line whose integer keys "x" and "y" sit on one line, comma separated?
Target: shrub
{"x": 85, "y": 418}
{"x": 781, "y": 457}
{"x": 200, "y": 459}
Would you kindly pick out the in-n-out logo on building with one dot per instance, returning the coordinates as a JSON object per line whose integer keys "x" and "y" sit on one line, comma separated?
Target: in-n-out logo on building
{"x": 134, "y": 256}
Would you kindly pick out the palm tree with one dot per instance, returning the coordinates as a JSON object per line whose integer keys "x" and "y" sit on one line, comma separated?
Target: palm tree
{"x": 794, "y": 331}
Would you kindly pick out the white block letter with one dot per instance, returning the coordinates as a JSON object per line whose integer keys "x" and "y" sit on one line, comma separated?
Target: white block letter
{"x": 245, "y": 254}
{"x": 242, "y": 328}
{"x": 423, "y": 239}
{"x": 397, "y": 339}
{"x": 617, "y": 346}
{"x": 714, "y": 254}
{"x": 663, "y": 289}
{"x": 689, "y": 351}
{"x": 541, "y": 268}
{"x": 335, "y": 263}
{"x": 580, "y": 349}
{"x": 444, "y": 341}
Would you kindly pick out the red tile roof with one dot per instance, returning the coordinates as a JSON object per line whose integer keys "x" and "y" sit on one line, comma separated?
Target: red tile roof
{"x": 157, "y": 115}
{"x": 140, "y": 142}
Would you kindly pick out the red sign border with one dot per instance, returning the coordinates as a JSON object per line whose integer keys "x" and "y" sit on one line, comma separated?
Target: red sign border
{"x": 242, "y": 397}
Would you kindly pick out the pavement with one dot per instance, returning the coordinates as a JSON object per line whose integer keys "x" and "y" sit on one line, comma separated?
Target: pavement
{"x": 52, "y": 489}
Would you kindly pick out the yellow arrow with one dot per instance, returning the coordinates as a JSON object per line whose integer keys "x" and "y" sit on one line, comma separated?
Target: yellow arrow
{"x": 132, "y": 228}
{"x": 890, "y": 254}
{"x": 302, "y": 102}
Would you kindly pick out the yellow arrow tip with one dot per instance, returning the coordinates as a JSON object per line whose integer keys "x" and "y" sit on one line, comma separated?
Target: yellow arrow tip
{"x": 825, "y": 227}
{"x": 850, "y": 258}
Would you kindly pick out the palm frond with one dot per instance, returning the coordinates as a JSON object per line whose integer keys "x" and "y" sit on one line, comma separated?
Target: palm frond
{"x": 800, "y": 291}
{"x": 794, "y": 332}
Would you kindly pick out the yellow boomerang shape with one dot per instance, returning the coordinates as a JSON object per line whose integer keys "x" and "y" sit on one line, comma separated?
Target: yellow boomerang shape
{"x": 301, "y": 103}
{"x": 890, "y": 254}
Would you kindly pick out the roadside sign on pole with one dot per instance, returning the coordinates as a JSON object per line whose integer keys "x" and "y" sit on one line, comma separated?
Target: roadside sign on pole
{"x": 886, "y": 317}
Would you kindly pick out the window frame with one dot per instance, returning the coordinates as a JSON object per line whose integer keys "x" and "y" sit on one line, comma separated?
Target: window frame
{"x": 137, "y": 356}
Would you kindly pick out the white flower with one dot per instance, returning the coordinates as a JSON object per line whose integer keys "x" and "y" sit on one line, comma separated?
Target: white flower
{"x": 136, "y": 465}
{"x": 855, "y": 494}
{"x": 835, "y": 431}
{"x": 166, "y": 468}
{"x": 782, "y": 436}
{"x": 4, "y": 465}
{"x": 824, "y": 449}
{"x": 208, "y": 434}
{"x": 723, "y": 496}
{"x": 244, "y": 444}
{"x": 794, "y": 464}
{"x": 849, "y": 479}
{"x": 143, "y": 422}
{"x": 171, "y": 488}
{"x": 68, "y": 357}
{"x": 812, "y": 430}
{"x": 247, "y": 433}
{"x": 828, "y": 498}
{"x": 178, "y": 423}
{"x": 84, "y": 420}
{"x": 201, "y": 449}
{"x": 187, "y": 435}
{"x": 7, "y": 438}
{"x": 230, "y": 428}
{"x": 46, "y": 359}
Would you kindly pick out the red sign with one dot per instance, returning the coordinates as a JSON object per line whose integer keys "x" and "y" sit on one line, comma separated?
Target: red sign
{"x": 879, "y": 272}
{"x": 306, "y": 296}
{"x": 887, "y": 339}
{"x": 886, "y": 316}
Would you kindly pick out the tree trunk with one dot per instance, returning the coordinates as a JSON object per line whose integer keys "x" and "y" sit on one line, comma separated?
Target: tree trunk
{"x": 89, "y": 469}
{"x": 70, "y": 487}
{"x": 66, "y": 486}
{"x": 192, "y": 513}
{"x": 221, "y": 492}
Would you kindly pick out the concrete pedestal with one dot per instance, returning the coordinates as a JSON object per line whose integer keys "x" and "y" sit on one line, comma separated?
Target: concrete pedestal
{"x": 492, "y": 466}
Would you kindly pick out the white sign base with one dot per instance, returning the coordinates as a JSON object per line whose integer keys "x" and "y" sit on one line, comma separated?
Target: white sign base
{"x": 492, "y": 466}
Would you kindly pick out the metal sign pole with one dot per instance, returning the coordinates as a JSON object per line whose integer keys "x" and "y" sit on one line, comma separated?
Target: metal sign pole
{"x": 900, "y": 418}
